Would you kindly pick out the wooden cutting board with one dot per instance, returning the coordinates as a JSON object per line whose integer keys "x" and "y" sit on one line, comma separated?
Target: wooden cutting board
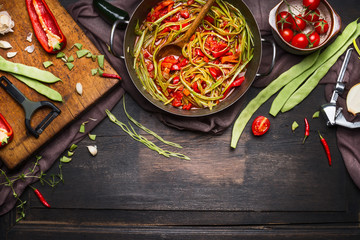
{"x": 23, "y": 144}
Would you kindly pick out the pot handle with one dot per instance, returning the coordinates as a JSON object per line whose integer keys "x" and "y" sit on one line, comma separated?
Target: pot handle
{"x": 273, "y": 57}
{"x": 113, "y": 15}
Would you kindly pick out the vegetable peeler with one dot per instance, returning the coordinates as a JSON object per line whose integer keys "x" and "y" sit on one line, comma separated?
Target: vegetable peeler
{"x": 30, "y": 107}
{"x": 333, "y": 115}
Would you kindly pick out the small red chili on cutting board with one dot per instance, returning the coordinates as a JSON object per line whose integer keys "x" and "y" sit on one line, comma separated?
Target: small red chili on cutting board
{"x": 40, "y": 197}
{"x": 260, "y": 125}
{"x": 6, "y": 132}
{"x": 110, "y": 75}
{"x": 45, "y": 26}
{"x": 307, "y": 129}
{"x": 326, "y": 147}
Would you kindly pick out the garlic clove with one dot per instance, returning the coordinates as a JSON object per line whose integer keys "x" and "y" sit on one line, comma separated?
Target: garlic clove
{"x": 5, "y": 44}
{"x": 11, "y": 54}
{"x": 79, "y": 89}
{"x": 92, "y": 149}
{"x": 29, "y": 37}
{"x": 30, "y": 49}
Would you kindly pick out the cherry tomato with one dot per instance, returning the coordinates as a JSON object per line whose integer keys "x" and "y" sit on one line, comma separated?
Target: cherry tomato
{"x": 312, "y": 15}
{"x": 299, "y": 24}
{"x": 300, "y": 40}
{"x": 260, "y": 125}
{"x": 311, "y": 4}
{"x": 321, "y": 26}
{"x": 314, "y": 39}
{"x": 284, "y": 20}
{"x": 287, "y": 34}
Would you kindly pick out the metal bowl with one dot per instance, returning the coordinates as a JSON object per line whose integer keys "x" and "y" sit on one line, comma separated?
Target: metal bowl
{"x": 326, "y": 12}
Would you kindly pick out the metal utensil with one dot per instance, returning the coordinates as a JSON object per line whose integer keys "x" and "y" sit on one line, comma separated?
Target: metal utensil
{"x": 333, "y": 115}
{"x": 30, "y": 107}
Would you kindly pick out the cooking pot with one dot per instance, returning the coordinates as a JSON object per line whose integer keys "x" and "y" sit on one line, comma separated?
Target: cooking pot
{"x": 121, "y": 19}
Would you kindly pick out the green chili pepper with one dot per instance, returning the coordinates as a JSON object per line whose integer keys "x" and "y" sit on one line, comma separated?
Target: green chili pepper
{"x": 27, "y": 71}
{"x": 267, "y": 92}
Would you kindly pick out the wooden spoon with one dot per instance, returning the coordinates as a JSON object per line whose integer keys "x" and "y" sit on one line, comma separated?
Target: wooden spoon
{"x": 175, "y": 48}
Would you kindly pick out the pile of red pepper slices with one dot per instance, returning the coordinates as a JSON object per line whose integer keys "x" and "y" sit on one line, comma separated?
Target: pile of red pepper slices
{"x": 6, "y": 132}
{"x": 45, "y": 26}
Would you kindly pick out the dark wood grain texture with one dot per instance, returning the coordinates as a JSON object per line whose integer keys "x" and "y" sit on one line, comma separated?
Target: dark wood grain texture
{"x": 269, "y": 187}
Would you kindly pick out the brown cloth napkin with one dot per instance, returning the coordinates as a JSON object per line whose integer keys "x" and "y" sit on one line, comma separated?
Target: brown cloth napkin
{"x": 99, "y": 31}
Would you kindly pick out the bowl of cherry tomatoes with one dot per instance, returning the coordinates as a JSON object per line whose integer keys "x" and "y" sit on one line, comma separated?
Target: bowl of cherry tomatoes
{"x": 303, "y": 26}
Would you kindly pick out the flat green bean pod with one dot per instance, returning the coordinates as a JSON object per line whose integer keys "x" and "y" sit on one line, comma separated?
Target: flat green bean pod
{"x": 27, "y": 71}
{"x": 266, "y": 93}
{"x": 40, "y": 88}
{"x": 302, "y": 92}
{"x": 290, "y": 88}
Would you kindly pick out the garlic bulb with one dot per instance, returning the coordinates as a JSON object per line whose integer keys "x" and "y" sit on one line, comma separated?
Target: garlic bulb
{"x": 92, "y": 150}
{"x": 6, "y": 24}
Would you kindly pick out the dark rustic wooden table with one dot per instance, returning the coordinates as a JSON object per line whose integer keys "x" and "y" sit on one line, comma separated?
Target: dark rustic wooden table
{"x": 271, "y": 187}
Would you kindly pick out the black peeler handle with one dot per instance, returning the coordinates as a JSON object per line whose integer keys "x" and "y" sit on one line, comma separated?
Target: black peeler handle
{"x": 30, "y": 107}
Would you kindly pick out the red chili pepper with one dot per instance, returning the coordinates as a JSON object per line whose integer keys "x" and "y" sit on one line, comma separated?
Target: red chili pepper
{"x": 307, "y": 129}
{"x": 110, "y": 75}
{"x": 6, "y": 132}
{"x": 41, "y": 197}
{"x": 45, "y": 26}
{"x": 326, "y": 147}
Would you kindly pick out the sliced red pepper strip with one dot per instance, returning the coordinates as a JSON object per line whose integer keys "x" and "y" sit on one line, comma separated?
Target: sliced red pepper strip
{"x": 45, "y": 26}
{"x": 6, "y": 132}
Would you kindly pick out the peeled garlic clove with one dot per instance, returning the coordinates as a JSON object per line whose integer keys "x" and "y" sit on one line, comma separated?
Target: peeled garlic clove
{"x": 92, "y": 150}
{"x": 353, "y": 99}
{"x": 6, "y": 24}
{"x": 11, "y": 54}
{"x": 5, "y": 44}
{"x": 30, "y": 49}
{"x": 79, "y": 88}
{"x": 29, "y": 37}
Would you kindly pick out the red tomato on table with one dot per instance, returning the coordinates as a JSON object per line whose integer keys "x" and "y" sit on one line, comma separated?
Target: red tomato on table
{"x": 260, "y": 125}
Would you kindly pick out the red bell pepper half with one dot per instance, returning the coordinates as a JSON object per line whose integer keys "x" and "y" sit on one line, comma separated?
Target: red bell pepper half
{"x": 6, "y": 132}
{"x": 45, "y": 26}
